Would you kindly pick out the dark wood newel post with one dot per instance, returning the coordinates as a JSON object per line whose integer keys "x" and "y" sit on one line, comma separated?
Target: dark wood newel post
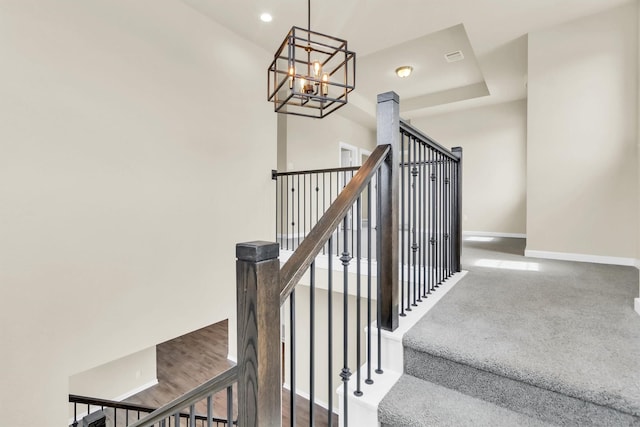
{"x": 457, "y": 152}
{"x": 389, "y": 133}
{"x": 258, "y": 311}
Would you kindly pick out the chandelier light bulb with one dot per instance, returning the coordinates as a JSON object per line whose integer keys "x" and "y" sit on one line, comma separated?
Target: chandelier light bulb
{"x": 292, "y": 72}
{"x": 317, "y": 68}
{"x": 325, "y": 85}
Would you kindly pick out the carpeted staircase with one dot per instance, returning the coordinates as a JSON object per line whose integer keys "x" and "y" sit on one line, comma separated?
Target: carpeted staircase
{"x": 525, "y": 342}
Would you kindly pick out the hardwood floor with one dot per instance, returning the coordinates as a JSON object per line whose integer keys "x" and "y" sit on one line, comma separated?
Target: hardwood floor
{"x": 190, "y": 360}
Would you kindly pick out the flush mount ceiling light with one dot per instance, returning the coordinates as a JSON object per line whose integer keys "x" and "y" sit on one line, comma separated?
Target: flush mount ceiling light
{"x": 404, "y": 71}
{"x": 311, "y": 74}
{"x": 265, "y": 17}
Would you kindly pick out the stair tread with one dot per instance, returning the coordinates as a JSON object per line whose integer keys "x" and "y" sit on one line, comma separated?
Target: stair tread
{"x": 415, "y": 402}
{"x": 576, "y": 336}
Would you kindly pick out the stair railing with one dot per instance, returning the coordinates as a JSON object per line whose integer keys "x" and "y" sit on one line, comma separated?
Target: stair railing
{"x": 263, "y": 287}
{"x": 302, "y": 197}
{"x": 417, "y": 197}
{"x": 131, "y": 412}
{"x": 173, "y": 412}
{"x": 430, "y": 215}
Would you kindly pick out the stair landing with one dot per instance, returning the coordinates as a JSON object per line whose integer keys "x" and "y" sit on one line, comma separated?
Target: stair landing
{"x": 553, "y": 340}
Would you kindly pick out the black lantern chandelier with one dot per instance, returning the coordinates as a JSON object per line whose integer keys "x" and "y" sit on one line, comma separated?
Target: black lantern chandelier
{"x": 311, "y": 74}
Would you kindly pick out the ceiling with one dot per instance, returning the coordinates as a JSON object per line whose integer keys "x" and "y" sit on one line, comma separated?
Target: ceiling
{"x": 385, "y": 34}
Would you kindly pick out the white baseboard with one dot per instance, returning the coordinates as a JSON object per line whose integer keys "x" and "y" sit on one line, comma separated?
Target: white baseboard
{"x": 494, "y": 234}
{"x": 637, "y": 305}
{"x": 596, "y": 259}
{"x": 232, "y": 358}
{"x": 136, "y": 390}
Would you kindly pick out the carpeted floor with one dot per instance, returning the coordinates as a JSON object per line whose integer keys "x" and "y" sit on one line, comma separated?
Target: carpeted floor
{"x": 562, "y": 326}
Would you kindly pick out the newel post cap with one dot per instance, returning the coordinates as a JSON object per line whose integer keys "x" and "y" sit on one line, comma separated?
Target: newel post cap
{"x": 257, "y": 251}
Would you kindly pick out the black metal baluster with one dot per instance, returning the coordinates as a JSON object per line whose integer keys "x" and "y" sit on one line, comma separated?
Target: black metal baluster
{"x": 447, "y": 210}
{"x": 369, "y": 380}
{"x": 378, "y": 283}
{"x": 330, "y": 330}
{"x": 292, "y": 356}
{"x": 298, "y": 210}
{"x": 419, "y": 217}
{"x": 440, "y": 228}
{"x": 75, "y": 415}
{"x": 324, "y": 196}
{"x": 409, "y": 222}
{"x": 434, "y": 216}
{"x": 337, "y": 231}
{"x": 353, "y": 219}
{"x": 292, "y": 220}
{"x": 312, "y": 350}
{"x": 425, "y": 214}
{"x": 346, "y": 373}
{"x": 358, "y": 391}
{"x": 402, "y": 225}
{"x": 428, "y": 222}
{"x": 414, "y": 245}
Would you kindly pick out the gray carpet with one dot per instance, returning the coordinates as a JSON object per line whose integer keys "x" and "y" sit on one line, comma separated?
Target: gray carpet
{"x": 566, "y": 331}
{"x": 443, "y": 407}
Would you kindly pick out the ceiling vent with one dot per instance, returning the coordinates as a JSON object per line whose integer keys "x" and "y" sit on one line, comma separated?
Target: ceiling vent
{"x": 454, "y": 56}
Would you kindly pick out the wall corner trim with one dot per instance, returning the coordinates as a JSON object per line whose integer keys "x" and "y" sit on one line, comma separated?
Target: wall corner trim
{"x": 566, "y": 256}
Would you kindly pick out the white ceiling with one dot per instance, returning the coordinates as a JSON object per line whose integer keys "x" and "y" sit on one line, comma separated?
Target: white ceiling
{"x": 386, "y": 34}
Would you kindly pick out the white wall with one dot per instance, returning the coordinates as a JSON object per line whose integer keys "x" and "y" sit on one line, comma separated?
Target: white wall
{"x": 582, "y": 136}
{"x": 493, "y": 140}
{"x": 133, "y": 159}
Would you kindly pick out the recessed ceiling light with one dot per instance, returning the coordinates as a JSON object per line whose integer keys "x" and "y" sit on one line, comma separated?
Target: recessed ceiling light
{"x": 404, "y": 71}
{"x": 266, "y": 17}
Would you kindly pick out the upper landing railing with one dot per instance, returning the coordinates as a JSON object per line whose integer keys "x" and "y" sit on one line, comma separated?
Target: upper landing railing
{"x": 410, "y": 190}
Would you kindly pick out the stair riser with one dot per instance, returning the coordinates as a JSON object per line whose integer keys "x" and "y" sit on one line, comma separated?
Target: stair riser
{"x": 545, "y": 405}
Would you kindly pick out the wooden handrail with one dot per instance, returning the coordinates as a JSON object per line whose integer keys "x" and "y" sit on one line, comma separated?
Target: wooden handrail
{"x": 302, "y": 258}
{"x": 275, "y": 174}
{"x": 214, "y": 385}
{"x": 93, "y": 401}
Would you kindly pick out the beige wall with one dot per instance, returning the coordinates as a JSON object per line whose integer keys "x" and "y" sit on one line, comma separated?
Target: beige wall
{"x": 315, "y": 144}
{"x": 494, "y": 140}
{"x": 118, "y": 378}
{"x": 132, "y": 162}
{"x": 582, "y": 124}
